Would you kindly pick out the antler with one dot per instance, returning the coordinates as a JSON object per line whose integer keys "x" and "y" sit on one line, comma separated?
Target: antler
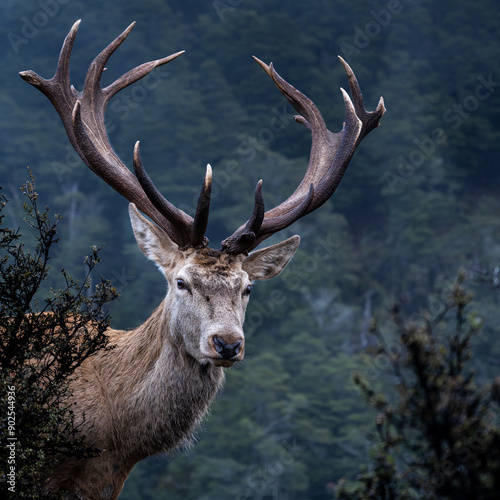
{"x": 82, "y": 114}
{"x": 329, "y": 158}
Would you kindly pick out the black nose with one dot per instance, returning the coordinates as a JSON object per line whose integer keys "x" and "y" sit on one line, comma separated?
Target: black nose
{"x": 226, "y": 351}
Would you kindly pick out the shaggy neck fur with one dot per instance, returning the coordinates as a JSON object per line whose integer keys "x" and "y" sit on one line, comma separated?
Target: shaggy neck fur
{"x": 144, "y": 396}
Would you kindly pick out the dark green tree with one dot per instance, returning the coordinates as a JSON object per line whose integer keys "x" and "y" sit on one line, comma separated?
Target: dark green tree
{"x": 440, "y": 436}
{"x": 45, "y": 337}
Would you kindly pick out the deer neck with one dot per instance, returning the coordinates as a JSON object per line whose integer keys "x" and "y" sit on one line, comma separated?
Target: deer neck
{"x": 152, "y": 392}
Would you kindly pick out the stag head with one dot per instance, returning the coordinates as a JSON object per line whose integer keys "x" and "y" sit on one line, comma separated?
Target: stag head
{"x": 208, "y": 289}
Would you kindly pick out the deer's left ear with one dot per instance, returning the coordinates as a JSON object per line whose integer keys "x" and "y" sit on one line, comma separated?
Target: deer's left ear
{"x": 268, "y": 262}
{"x": 153, "y": 241}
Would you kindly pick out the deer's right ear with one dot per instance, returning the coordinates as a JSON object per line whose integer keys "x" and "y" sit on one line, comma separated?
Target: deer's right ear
{"x": 154, "y": 242}
{"x": 266, "y": 263}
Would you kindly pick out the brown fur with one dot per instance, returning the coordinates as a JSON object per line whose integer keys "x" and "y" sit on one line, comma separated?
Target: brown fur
{"x": 148, "y": 393}
{"x": 143, "y": 397}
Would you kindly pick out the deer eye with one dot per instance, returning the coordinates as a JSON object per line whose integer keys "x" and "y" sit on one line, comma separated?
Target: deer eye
{"x": 248, "y": 290}
{"x": 181, "y": 284}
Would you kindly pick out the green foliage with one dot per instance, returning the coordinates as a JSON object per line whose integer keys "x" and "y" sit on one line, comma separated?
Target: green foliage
{"x": 440, "y": 436}
{"x": 44, "y": 339}
{"x": 419, "y": 200}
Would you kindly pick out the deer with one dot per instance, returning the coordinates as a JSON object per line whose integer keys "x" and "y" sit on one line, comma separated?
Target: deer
{"x": 148, "y": 394}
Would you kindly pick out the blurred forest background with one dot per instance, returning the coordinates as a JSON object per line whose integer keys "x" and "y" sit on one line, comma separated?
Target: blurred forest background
{"x": 419, "y": 200}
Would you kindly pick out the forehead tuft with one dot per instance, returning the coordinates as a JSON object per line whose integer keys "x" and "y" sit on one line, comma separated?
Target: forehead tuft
{"x": 216, "y": 261}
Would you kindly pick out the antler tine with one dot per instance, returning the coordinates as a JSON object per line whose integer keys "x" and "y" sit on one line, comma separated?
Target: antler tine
{"x": 254, "y": 223}
{"x": 328, "y": 161}
{"x": 82, "y": 114}
{"x": 200, "y": 222}
{"x": 92, "y": 85}
{"x": 247, "y": 234}
{"x": 137, "y": 73}
{"x": 58, "y": 89}
{"x": 370, "y": 119}
{"x": 179, "y": 220}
